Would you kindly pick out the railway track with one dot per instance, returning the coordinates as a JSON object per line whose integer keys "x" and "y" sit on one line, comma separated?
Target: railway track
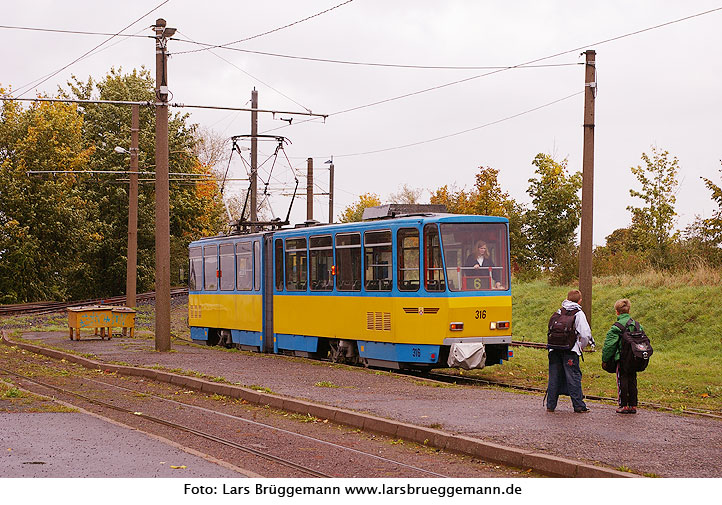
{"x": 103, "y": 397}
{"x": 474, "y": 381}
{"x": 170, "y": 424}
{"x": 50, "y": 307}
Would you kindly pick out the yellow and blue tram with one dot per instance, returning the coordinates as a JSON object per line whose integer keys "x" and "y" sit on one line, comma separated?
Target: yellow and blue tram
{"x": 404, "y": 292}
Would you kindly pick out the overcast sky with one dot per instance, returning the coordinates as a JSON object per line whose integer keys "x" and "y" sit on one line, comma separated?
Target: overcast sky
{"x": 656, "y": 88}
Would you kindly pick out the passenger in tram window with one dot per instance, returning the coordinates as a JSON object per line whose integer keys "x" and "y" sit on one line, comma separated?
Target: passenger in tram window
{"x": 479, "y": 258}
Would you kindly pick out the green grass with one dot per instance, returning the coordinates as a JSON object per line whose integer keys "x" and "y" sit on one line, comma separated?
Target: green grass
{"x": 682, "y": 315}
{"x": 683, "y": 322}
{"x": 325, "y": 384}
{"x": 12, "y": 393}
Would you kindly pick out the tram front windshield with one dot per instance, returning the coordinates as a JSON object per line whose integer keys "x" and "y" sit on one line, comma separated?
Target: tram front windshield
{"x": 476, "y": 256}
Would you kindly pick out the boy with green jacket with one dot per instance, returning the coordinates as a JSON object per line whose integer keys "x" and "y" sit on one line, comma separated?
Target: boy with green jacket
{"x": 611, "y": 353}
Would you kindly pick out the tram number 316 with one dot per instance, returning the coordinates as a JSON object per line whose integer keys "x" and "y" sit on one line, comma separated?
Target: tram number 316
{"x": 481, "y": 314}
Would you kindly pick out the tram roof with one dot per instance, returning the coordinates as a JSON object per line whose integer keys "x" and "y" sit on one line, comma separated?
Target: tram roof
{"x": 315, "y": 228}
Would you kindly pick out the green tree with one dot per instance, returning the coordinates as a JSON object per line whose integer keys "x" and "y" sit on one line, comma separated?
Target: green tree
{"x": 196, "y": 209}
{"x": 456, "y": 201}
{"x": 487, "y": 198}
{"x": 65, "y": 236}
{"x": 652, "y": 223}
{"x": 43, "y": 219}
{"x": 703, "y": 237}
{"x": 556, "y": 209}
{"x": 714, "y": 223}
{"x": 354, "y": 212}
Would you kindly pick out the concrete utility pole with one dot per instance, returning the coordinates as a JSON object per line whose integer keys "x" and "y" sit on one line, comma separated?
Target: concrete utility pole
{"x": 330, "y": 193}
{"x": 254, "y": 157}
{"x": 132, "y": 270}
{"x": 309, "y": 190}
{"x": 162, "y": 198}
{"x": 585, "y": 247}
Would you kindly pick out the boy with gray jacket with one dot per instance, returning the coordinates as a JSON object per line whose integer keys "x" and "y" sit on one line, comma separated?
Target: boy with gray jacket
{"x": 565, "y": 376}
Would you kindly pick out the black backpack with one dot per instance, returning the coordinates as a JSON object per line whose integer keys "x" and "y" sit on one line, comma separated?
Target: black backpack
{"x": 562, "y": 334}
{"x": 635, "y": 347}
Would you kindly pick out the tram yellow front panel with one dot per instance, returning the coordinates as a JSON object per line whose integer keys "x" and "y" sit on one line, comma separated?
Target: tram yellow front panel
{"x": 420, "y": 320}
{"x": 229, "y": 311}
{"x": 477, "y": 313}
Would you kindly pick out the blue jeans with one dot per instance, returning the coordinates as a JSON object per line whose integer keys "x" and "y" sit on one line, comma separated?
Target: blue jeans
{"x": 565, "y": 378}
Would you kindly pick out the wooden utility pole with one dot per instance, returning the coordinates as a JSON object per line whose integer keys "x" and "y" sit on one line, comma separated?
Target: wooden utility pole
{"x": 309, "y": 190}
{"x": 585, "y": 247}
{"x": 330, "y": 193}
{"x": 162, "y": 198}
{"x": 132, "y": 270}
{"x": 254, "y": 157}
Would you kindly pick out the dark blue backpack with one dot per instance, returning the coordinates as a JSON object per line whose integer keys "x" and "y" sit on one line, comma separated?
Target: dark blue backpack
{"x": 562, "y": 333}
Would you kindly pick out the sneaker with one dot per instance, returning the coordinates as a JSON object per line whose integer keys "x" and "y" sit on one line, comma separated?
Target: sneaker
{"x": 624, "y": 410}
{"x": 550, "y": 410}
{"x": 582, "y": 410}
{"x": 632, "y": 410}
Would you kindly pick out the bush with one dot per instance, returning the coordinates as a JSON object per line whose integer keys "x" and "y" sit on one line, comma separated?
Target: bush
{"x": 566, "y": 269}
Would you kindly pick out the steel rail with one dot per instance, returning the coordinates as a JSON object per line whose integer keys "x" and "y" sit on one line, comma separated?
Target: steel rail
{"x": 274, "y": 428}
{"x": 50, "y": 307}
{"x": 171, "y": 424}
{"x": 449, "y": 378}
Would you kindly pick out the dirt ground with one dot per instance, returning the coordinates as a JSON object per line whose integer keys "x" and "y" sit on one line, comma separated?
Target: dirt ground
{"x": 652, "y": 443}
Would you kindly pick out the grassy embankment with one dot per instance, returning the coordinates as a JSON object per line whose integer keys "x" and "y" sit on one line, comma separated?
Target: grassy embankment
{"x": 683, "y": 322}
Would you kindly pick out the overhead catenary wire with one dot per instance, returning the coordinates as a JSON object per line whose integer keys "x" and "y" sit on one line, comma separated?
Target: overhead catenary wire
{"x": 94, "y": 48}
{"x": 255, "y": 78}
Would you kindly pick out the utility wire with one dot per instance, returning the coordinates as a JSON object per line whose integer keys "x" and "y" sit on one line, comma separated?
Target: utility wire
{"x": 268, "y": 32}
{"x": 73, "y": 32}
{"x": 370, "y": 64}
{"x": 209, "y": 47}
{"x": 96, "y": 47}
{"x": 485, "y": 125}
{"x": 537, "y": 60}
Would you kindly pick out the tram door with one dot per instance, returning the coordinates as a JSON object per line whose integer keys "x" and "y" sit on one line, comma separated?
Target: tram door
{"x": 267, "y": 268}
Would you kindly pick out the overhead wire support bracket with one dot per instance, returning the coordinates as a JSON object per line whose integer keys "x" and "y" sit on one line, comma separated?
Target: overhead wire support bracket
{"x": 247, "y": 109}
{"x": 242, "y": 225}
{"x": 148, "y": 103}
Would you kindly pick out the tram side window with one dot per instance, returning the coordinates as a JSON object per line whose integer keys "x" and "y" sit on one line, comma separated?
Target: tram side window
{"x": 195, "y": 258}
{"x": 321, "y": 249}
{"x": 210, "y": 266}
{"x": 279, "y": 264}
{"x": 377, "y": 250}
{"x": 408, "y": 254}
{"x": 434, "y": 279}
{"x": 244, "y": 266}
{"x": 256, "y": 265}
{"x": 296, "y": 264}
{"x": 227, "y": 261}
{"x": 348, "y": 262}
